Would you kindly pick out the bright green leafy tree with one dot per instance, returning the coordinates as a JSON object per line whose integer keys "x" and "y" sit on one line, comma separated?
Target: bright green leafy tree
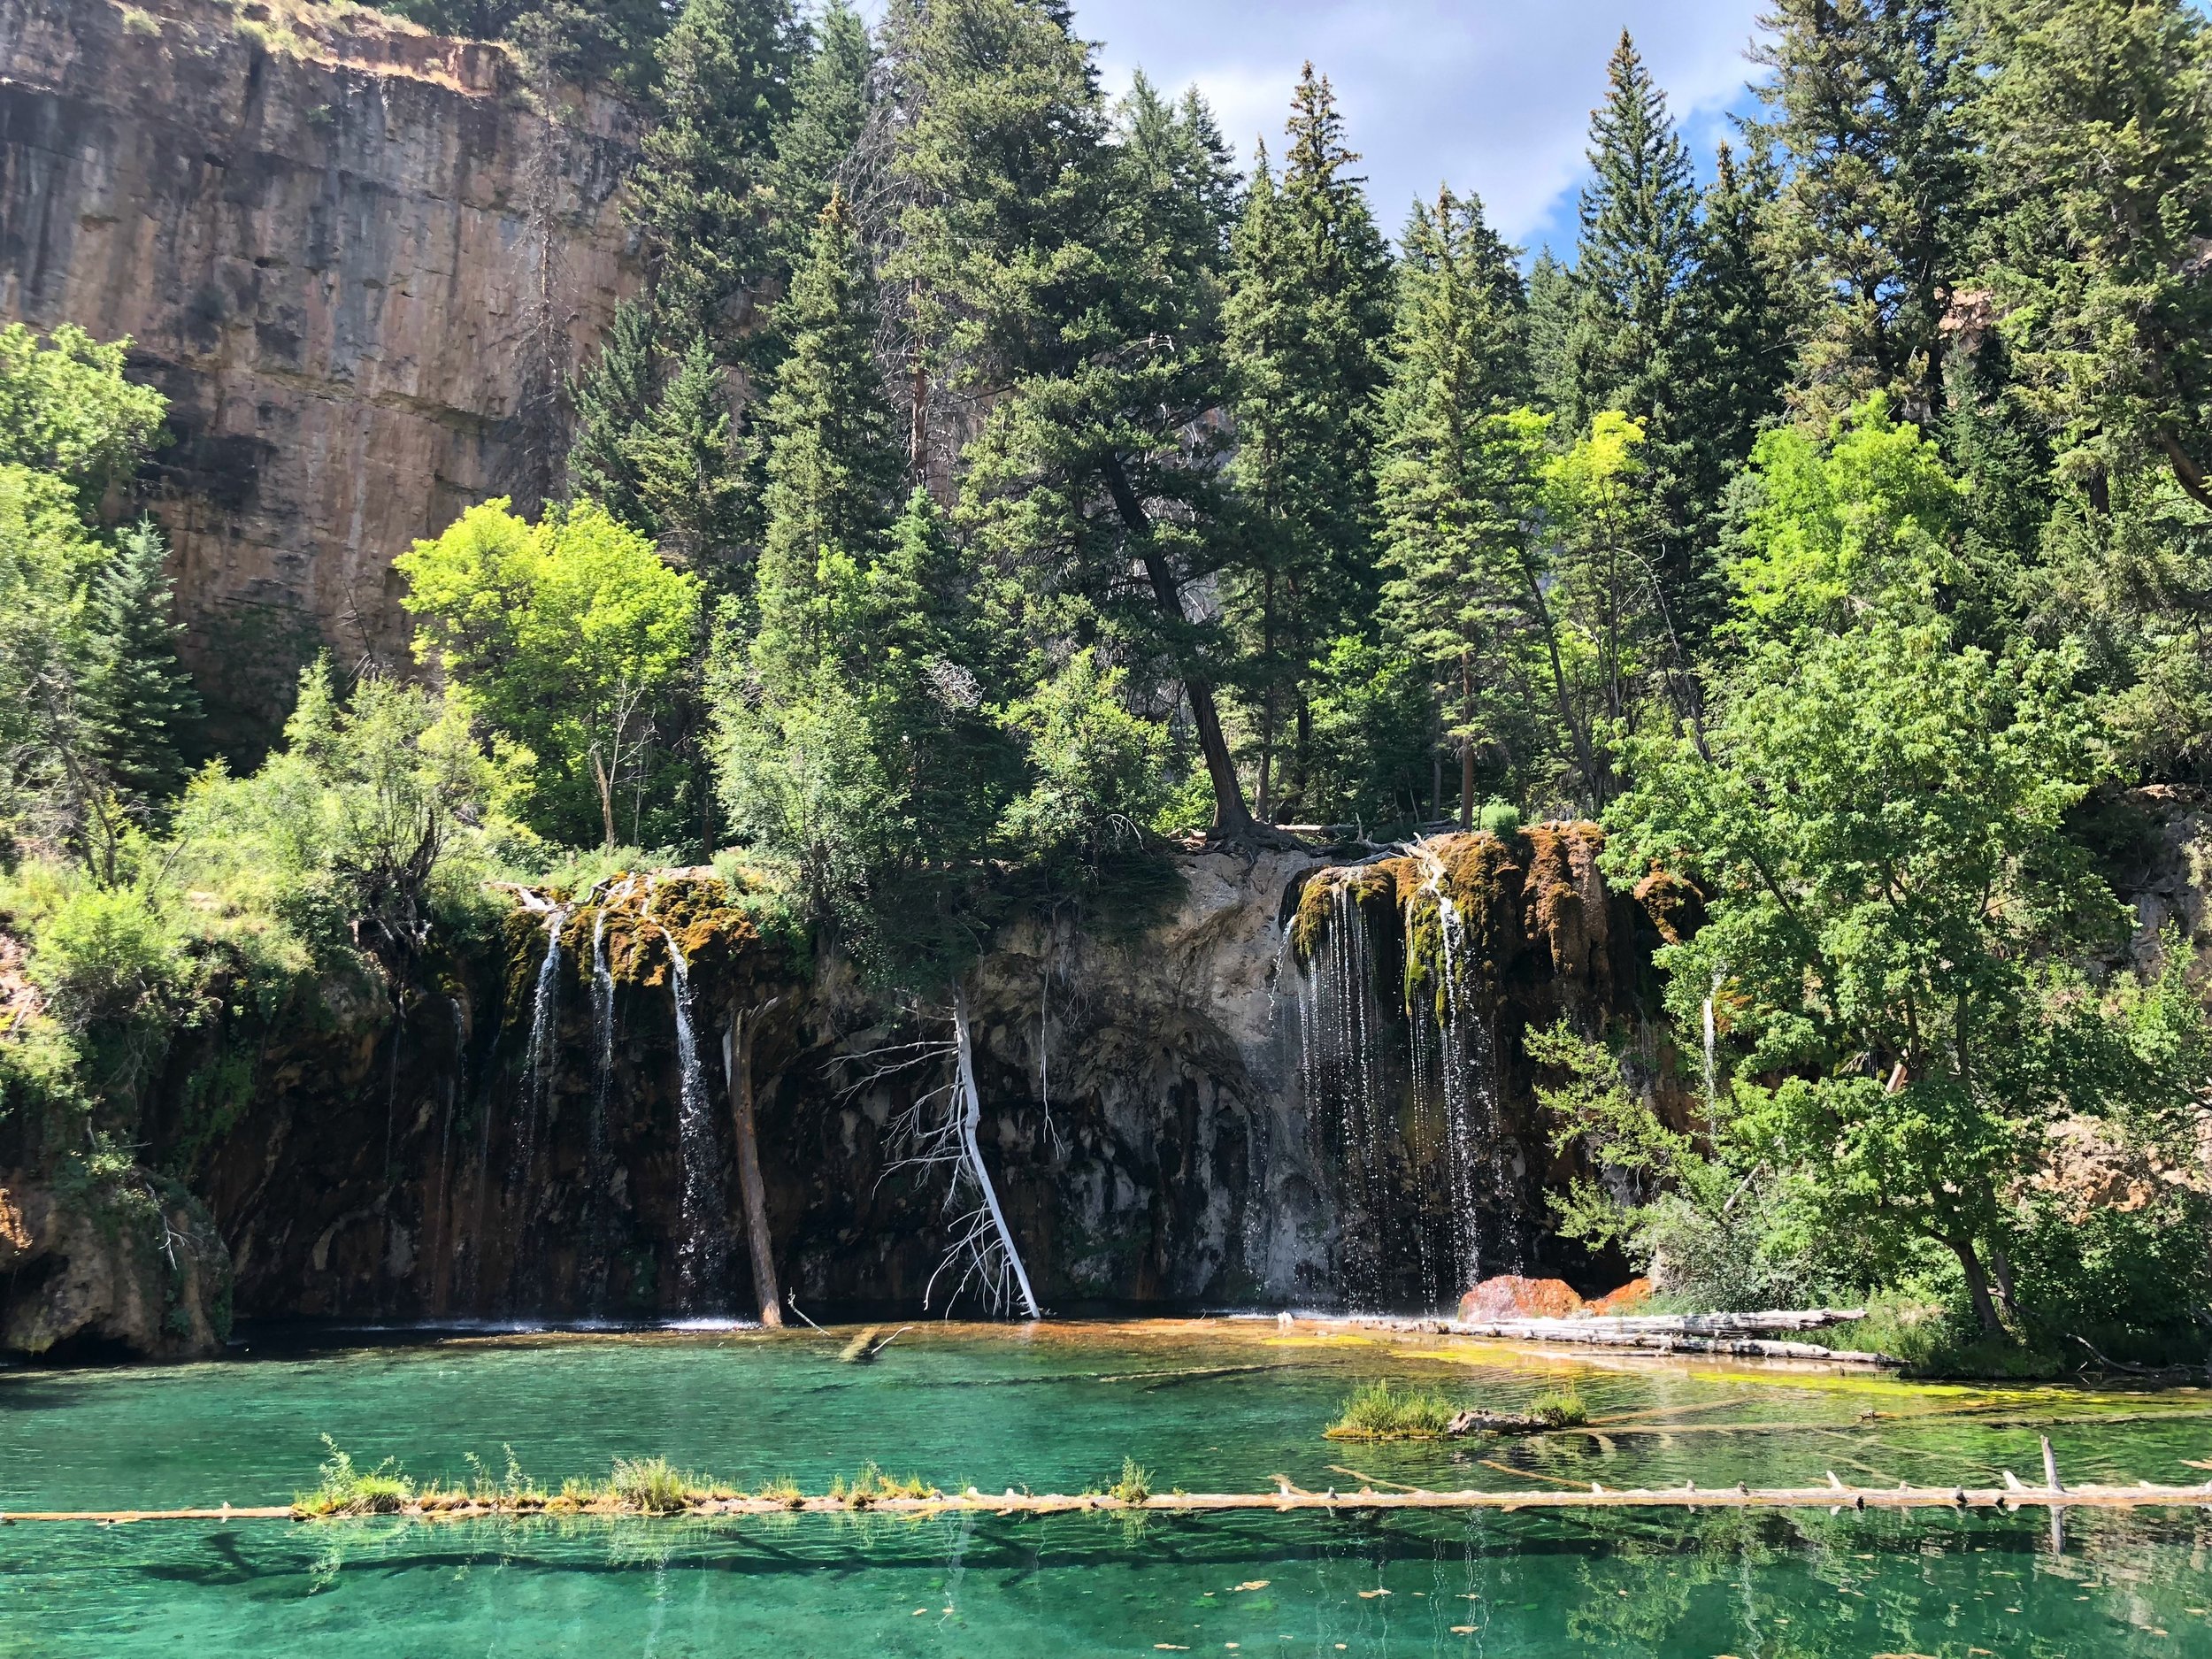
{"x": 572, "y": 640}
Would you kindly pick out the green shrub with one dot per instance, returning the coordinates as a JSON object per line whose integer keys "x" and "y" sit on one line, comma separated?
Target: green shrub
{"x": 105, "y": 955}
{"x": 1383, "y": 1411}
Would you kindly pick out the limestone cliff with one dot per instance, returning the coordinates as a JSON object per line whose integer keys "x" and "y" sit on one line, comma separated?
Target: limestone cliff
{"x": 359, "y": 259}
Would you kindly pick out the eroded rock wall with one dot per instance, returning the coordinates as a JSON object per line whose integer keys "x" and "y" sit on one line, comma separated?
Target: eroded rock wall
{"x": 360, "y": 260}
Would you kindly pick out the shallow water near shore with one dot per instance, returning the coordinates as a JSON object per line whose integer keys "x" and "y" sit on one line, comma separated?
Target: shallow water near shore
{"x": 1218, "y": 1405}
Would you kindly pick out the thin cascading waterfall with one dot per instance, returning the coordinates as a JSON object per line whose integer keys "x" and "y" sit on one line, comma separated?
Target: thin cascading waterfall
{"x": 1343, "y": 1080}
{"x": 701, "y": 1250}
{"x": 600, "y": 1160}
{"x": 541, "y": 1062}
{"x": 1465, "y": 1080}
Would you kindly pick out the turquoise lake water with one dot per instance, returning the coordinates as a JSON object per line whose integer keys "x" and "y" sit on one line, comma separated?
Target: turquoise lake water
{"x": 1211, "y": 1406}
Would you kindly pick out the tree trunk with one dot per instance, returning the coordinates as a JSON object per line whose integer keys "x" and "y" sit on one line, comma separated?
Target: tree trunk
{"x": 1977, "y": 1285}
{"x": 1232, "y": 817}
{"x": 606, "y": 795}
{"x": 2001, "y": 1269}
{"x": 970, "y": 1115}
{"x": 1466, "y": 745}
{"x": 737, "y": 1065}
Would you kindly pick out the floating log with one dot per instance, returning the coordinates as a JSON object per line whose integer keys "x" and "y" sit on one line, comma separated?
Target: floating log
{"x": 1284, "y": 1499}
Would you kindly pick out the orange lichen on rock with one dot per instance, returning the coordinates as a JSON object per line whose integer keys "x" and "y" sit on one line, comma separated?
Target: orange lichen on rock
{"x": 1511, "y": 1297}
{"x": 1627, "y": 1299}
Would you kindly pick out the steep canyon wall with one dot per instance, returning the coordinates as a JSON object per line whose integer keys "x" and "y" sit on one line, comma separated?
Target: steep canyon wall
{"x": 360, "y": 260}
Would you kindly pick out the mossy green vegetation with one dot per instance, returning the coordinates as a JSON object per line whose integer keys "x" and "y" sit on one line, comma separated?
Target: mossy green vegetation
{"x": 1560, "y": 1408}
{"x": 1384, "y": 1410}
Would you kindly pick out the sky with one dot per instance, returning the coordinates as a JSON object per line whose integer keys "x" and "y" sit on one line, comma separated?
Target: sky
{"x": 1492, "y": 96}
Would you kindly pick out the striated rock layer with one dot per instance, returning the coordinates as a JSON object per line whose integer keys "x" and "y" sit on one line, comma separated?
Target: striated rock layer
{"x": 355, "y": 257}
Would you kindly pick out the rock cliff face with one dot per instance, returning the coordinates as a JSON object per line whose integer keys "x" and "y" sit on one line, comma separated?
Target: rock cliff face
{"x": 359, "y": 261}
{"x": 1168, "y": 1110}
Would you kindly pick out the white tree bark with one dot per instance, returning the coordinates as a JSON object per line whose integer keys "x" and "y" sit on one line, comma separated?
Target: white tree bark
{"x": 971, "y": 1116}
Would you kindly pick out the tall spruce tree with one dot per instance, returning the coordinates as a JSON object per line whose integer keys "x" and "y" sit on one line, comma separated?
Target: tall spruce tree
{"x": 1308, "y": 316}
{"x": 1867, "y": 106}
{"x": 697, "y": 193}
{"x": 829, "y": 110}
{"x": 1738, "y": 325}
{"x": 1457, "y": 464}
{"x": 688, "y": 470}
{"x": 1638, "y": 344}
{"x": 615, "y": 399}
{"x": 133, "y": 698}
{"x": 834, "y": 469}
{"x": 1552, "y": 301}
{"x": 2097, "y": 129}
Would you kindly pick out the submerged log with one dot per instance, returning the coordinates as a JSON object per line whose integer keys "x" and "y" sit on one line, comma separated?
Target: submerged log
{"x": 1833, "y": 1495}
{"x": 1493, "y": 1422}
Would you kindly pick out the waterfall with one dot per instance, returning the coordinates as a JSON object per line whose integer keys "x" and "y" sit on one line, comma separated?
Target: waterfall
{"x": 1338, "y": 1022}
{"x": 701, "y": 1250}
{"x": 540, "y": 1062}
{"x": 598, "y": 1168}
{"x": 1464, "y": 1073}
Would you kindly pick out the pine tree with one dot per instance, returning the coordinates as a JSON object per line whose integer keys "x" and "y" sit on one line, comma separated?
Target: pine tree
{"x": 689, "y": 481}
{"x": 1638, "y": 250}
{"x": 829, "y": 110}
{"x": 614, "y": 400}
{"x": 1867, "y": 105}
{"x": 1552, "y": 299}
{"x": 2097, "y": 122}
{"x": 696, "y": 193}
{"x": 133, "y": 698}
{"x": 833, "y": 463}
{"x": 1458, "y": 461}
{"x": 1052, "y": 262}
{"x": 1737, "y": 325}
{"x": 1307, "y": 318}
{"x": 1638, "y": 343}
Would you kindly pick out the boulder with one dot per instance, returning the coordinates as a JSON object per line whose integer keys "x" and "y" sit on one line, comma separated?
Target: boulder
{"x": 1628, "y": 1299}
{"x": 1511, "y": 1297}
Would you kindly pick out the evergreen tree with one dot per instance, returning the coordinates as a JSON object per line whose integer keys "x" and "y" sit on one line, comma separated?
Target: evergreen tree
{"x": 829, "y": 110}
{"x": 1738, "y": 323}
{"x": 614, "y": 400}
{"x": 1308, "y": 315}
{"x": 1458, "y": 461}
{"x": 1073, "y": 269}
{"x": 1552, "y": 302}
{"x": 833, "y": 463}
{"x": 687, "y": 473}
{"x": 1638, "y": 253}
{"x": 696, "y": 193}
{"x": 1867, "y": 106}
{"x": 2097, "y": 123}
{"x": 1639, "y": 344}
{"x": 133, "y": 698}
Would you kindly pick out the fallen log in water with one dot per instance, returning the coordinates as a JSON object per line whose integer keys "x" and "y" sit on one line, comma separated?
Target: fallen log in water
{"x": 1286, "y": 1498}
{"x": 1591, "y": 1333}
